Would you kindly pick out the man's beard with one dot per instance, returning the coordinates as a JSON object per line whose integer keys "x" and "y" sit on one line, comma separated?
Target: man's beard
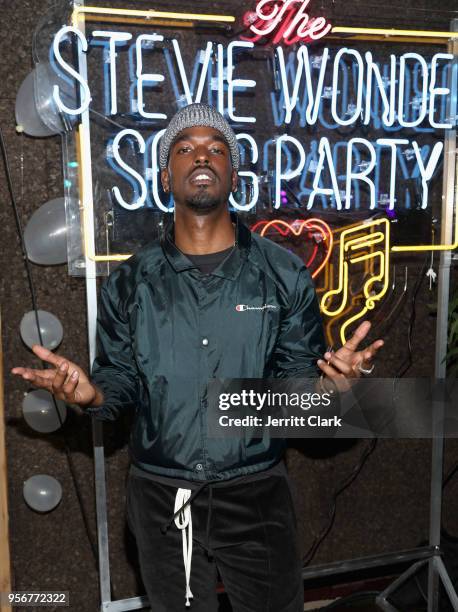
{"x": 204, "y": 202}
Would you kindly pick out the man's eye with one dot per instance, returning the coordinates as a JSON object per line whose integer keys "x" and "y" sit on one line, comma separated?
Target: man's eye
{"x": 217, "y": 150}
{"x": 184, "y": 149}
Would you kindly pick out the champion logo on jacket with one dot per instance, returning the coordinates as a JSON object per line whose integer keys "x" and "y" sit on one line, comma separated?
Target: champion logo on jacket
{"x": 243, "y": 307}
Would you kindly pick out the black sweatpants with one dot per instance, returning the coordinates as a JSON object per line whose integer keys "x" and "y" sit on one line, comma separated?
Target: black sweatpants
{"x": 247, "y": 531}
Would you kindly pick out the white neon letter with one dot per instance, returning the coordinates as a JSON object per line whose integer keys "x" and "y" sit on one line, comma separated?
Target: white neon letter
{"x": 254, "y": 178}
{"x": 424, "y": 90}
{"x": 389, "y": 105}
{"x": 290, "y": 100}
{"x": 203, "y": 74}
{"x": 392, "y": 143}
{"x": 149, "y": 78}
{"x": 324, "y": 151}
{"x": 184, "y": 78}
{"x": 358, "y": 87}
{"x": 114, "y": 38}
{"x": 233, "y": 83}
{"x": 85, "y": 93}
{"x": 426, "y": 173}
{"x": 154, "y": 175}
{"x": 435, "y": 92}
{"x": 289, "y": 174}
{"x": 141, "y": 144}
{"x": 314, "y": 89}
{"x": 359, "y": 176}
{"x": 221, "y": 75}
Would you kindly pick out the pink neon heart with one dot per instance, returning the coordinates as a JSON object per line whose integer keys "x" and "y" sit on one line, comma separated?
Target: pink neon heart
{"x": 296, "y": 227}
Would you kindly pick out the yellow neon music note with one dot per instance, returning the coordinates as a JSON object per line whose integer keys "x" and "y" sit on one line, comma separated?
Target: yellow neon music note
{"x": 367, "y": 243}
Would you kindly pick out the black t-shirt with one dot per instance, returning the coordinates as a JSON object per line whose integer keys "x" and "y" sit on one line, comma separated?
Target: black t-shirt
{"x": 210, "y": 261}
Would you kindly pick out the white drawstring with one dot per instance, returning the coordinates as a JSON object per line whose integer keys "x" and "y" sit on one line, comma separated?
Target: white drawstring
{"x": 184, "y": 520}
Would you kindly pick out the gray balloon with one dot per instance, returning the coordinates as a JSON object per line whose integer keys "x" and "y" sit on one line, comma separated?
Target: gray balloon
{"x": 42, "y": 492}
{"x": 40, "y": 412}
{"x": 45, "y": 234}
{"x": 27, "y": 117}
{"x": 51, "y": 329}
{"x": 45, "y": 79}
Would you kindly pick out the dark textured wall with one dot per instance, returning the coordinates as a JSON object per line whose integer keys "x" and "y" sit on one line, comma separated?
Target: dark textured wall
{"x": 387, "y": 507}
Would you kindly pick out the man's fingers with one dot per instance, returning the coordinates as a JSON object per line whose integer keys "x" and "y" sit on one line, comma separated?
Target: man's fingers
{"x": 358, "y": 336}
{"x": 369, "y": 353}
{"x": 375, "y": 346}
{"x": 329, "y": 370}
{"x": 29, "y": 373}
{"x": 339, "y": 364}
{"x": 62, "y": 383}
{"x": 46, "y": 355}
{"x": 69, "y": 387}
{"x": 18, "y": 371}
{"x": 38, "y": 378}
{"x": 347, "y": 362}
{"x": 338, "y": 379}
{"x": 60, "y": 377}
{"x": 50, "y": 378}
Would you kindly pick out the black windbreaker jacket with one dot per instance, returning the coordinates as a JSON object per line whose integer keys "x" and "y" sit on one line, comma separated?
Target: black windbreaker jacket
{"x": 165, "y": 329}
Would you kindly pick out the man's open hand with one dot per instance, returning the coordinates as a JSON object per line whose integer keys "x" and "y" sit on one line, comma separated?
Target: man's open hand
{"x": 66, "y": 381}
{"x": 348, "y": 363}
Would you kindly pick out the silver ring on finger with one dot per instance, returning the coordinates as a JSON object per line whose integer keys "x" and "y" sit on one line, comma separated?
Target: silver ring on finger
{"x": 365, "y": 371}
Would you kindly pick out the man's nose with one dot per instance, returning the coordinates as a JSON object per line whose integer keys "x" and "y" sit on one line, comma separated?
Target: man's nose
{"x": 201, "y": 155}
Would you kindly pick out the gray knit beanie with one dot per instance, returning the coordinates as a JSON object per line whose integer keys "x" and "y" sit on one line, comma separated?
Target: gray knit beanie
{"x": 195, "y": 115}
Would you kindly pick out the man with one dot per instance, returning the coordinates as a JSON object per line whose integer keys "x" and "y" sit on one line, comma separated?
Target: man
{"x": 172, "y": 317}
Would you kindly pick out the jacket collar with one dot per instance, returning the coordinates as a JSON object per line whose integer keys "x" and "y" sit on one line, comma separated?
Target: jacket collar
{"x": 229, "y": 268}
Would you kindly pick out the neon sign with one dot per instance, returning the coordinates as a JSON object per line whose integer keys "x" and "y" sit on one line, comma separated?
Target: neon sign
{"x": 376, "y": 239}
{"x": 303, "y": 83}
{"x": 335, "y": 89}
{"x": 302, "y": 90}
{"x": 317, "y": 231}
{"x": 364, "y": 244}
{"x": 285, "y": 21}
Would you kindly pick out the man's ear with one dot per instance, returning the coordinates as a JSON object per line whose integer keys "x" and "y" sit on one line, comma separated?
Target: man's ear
{"x": 165, "y": 180}
{"x": 234, "y": 180}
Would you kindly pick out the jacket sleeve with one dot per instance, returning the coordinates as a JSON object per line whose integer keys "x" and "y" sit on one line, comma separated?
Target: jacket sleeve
{"x": 114, "y": 370}
{"x": 300, "y": 342}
